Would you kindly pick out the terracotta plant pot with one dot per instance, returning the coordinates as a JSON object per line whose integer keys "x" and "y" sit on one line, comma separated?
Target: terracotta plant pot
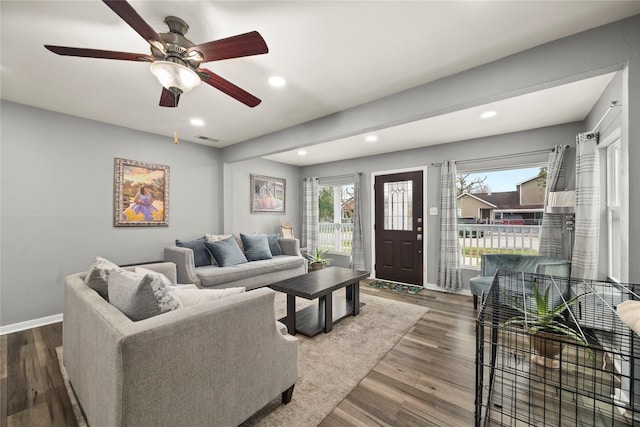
{"x": 547, "y": 347}
{"x": 317, "y": 266}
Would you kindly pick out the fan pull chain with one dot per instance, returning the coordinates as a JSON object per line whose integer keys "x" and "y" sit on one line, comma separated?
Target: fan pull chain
{"x": 175, "y": 137}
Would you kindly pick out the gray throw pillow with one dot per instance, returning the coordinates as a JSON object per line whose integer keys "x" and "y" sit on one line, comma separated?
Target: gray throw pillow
{"x": 256, "y": 246}
{"x": 226, "y": 252}
{"x": 201, "y": 255}
{"x": 98, "y": 276}
{"x": 140, "y": 297}
{"x": 274, "y": 244}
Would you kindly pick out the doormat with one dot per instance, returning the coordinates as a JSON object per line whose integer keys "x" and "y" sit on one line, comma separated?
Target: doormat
{"x": 405, "y": 289}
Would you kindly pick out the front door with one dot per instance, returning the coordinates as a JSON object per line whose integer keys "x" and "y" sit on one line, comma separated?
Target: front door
{"x": 399, "y": 227}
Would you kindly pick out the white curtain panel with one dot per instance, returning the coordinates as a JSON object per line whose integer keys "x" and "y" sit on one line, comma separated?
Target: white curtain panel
{"x": 551, "y": 241}
{"x": 310, "y": 213}
{"x": 449, "y": 265}
{"x": 584, "y": 263}
{"x": 357, "y": 247}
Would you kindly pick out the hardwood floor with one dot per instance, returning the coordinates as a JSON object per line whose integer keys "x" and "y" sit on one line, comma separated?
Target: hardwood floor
{"x": 427, "y": 379}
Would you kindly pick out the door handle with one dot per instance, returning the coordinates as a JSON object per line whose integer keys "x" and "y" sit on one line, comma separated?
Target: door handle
{"x": 419, "y": 236}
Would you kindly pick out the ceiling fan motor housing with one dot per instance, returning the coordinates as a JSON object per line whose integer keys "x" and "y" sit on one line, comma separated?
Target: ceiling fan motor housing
{"x": 177, "y": 44}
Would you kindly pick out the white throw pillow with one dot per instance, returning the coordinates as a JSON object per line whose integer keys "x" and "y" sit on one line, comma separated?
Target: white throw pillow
{"x": 189, "y": 297}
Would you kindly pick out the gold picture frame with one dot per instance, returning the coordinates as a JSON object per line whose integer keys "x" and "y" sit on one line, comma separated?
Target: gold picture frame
{"x": 268, "y": 194}
{"x": 141, "y": 194}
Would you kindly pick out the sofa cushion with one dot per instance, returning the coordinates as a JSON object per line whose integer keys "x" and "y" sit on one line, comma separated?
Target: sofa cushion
{"x": 190, "y": 296}
{"x": 256, "y": 246}
{"x": 213, "y": 276}
{"x": 201, "y": 255}
{"x": 140, "y": 296}
{"x": 98, "y": 276}
{"x": 226, "y": 252}
{"x": 217, "y": 237}
{"x": 274, "y": 244}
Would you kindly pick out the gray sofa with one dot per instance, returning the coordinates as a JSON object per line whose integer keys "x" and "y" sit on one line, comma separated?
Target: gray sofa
{"x": 521, "y": 263}
{"x": 215, "y": 363}
{"x": 251, "y": 275}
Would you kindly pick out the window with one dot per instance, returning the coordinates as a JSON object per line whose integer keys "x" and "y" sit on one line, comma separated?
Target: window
{"x": 500, "y": 212}
{"x": 614, "y": 210}
{"x": 335, "y": 209}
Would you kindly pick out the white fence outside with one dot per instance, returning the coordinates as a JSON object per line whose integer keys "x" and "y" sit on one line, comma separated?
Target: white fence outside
{"x": 475, "y": 239}
{"x": 335, "y": 237}
{"x": 478, "y": 239}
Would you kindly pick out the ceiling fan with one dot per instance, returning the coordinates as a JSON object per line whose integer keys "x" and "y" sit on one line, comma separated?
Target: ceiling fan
{"x": 174, "y": 59}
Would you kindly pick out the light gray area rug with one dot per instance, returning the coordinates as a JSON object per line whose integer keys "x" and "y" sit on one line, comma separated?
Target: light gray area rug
{"x": 330, "y": 365}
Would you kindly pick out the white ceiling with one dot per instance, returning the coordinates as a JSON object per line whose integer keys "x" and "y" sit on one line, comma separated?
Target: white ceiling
{"x": 334, "y": 55}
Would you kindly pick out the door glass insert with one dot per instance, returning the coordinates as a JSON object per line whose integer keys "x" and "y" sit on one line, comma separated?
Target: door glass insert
{"x": 398, "y": 205}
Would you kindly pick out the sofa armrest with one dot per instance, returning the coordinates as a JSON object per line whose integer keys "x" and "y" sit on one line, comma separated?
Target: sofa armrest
{"x": 185, "y": 264}
{"x": 290, "y": 246}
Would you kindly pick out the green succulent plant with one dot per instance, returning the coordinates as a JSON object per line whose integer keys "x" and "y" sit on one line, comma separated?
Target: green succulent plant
{"x": 545, "y": 317}
{"x": 319, "y": 257}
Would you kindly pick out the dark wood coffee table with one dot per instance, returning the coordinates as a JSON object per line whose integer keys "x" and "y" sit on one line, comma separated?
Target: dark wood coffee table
{"x": 320, "y": 284}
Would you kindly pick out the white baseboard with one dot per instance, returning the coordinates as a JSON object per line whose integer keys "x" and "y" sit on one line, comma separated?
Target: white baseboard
{"x": 21, "y": 326}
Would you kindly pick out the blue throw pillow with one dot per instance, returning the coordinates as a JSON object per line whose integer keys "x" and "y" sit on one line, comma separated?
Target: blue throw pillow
{"x": 274, "y": 244}
{"x": 256, "y": 246}
{"x": 226, "y": 252}
{"x": 201, "y": 254}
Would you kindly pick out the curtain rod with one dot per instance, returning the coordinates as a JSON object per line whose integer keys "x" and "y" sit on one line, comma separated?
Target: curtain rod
{"x": 503, "y": 156}
{"x": 613, "y": 104}
{"x": 349, "y": 175}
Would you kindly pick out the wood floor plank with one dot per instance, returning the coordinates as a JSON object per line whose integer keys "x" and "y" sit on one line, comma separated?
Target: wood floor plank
{"x": 427, "y": 379}
{"x": 3, "y": 381}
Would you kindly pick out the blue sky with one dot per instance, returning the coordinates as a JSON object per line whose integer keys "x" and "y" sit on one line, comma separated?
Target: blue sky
{"x": 506, "y": 180}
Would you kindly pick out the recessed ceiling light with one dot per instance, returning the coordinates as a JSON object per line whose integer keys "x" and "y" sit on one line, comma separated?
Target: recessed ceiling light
{"x": 302, "y": 153}
{"x": 197, "y": 122}
{"x": 371, "y": 138}
{"x": 277, "y": 81}
{"x": 488, "y": 114}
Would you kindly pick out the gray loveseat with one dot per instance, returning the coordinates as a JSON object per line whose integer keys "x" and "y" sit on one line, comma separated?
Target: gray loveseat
{"x": 251, "y": 275}
{"x": 215, "y": 363}
{"x": 521, "y": 263}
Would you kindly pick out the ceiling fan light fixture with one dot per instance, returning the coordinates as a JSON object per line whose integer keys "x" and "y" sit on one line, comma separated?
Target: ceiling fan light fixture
{"x": 173, "y": 75}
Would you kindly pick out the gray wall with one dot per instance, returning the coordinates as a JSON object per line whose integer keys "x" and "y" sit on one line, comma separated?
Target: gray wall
{"x": 57, "y": 202}
{"x": 237, "y": 208}
{"x": 515, "y": 143}
{"x": 612, "y": 47}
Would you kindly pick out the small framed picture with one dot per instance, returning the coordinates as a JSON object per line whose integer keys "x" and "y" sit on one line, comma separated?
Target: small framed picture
{"x": 141, "y": 194}
{"x": 268, "y": 194}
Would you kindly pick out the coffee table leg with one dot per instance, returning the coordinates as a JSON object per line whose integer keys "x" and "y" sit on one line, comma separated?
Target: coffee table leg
{"x": 328, "y": 312}
{"x": 291, "y": 314}
{"x": 353, "y": 293}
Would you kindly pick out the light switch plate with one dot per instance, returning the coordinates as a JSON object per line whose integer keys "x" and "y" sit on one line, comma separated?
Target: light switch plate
{"x": 433, "y": 211}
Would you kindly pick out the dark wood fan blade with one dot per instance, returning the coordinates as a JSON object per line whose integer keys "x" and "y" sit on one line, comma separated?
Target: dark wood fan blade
{"x": 232, "y": 47}
{"x": 135, "y": 21}
{"x": 96, "y": 53}
{"x": 168, "y": 99}
{"x": 229, "y": 88}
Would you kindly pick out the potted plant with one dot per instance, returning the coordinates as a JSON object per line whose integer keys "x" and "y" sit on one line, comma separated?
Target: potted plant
{"x": 318, "y": 260}
{"x": 547, "y": 324}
